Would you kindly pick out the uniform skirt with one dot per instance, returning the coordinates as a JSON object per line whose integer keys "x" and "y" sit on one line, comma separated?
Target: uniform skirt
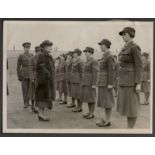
{"x": 68, "y": 89}
{"x": 75, "y": 90}
{"x": 128, "y": 101}
{"x": 145, "y": 86}
{"x": 105, "y": 97}
{"x": 88, "y": 94}
{"x": 63, "y": 87}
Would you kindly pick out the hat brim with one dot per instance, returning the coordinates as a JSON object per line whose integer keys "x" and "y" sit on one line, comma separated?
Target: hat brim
{"x": 100, "y": 43}
{"x": 26, "y": 45}
{"x": 121, "y": 33}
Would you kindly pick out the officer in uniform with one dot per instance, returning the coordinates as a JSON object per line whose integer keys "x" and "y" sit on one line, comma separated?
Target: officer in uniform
{"x": 105, "y": 80}
{"x": 89, "y": 76}
{"x": 130, "y": 73}
{"x": 69, "y": 62}
{"x": 76, "y": 76}
{"x": 23, "y": 71}
{"x": 58, "y": 78}
{"x": 63, "y": 86}
{"x": 33, "y": 78}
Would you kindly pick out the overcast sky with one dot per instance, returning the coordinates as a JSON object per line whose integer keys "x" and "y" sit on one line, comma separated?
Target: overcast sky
{"x": 70, "y": 35}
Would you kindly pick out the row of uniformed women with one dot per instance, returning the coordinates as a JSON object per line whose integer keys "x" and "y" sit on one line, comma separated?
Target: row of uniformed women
{"x": 81, "y": 79}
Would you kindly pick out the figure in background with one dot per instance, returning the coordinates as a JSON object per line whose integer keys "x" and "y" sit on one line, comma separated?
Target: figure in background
{"x": 63, "y": 86}
{"x": 69, "y": 62}
{"x": 33, "y": 79}
{"x": 145, "y": 85}
{"x": 57, "y": 78}
{"x": 76, "y": 76}
{"x": 116, "y": 76}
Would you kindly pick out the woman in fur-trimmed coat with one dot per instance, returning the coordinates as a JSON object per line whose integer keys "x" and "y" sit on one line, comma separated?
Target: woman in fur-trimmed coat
{"x": 45, "y": 91}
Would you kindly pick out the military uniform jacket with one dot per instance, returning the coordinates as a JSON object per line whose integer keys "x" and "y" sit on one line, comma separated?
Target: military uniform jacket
{"x": 68, "y": 71}
{"x": 57, "y": 73}
{"x": 62, "y": 71}
{"x": 130, "y": 71}
{"x": 89, "y": 74}
{"x": 76, "y": 71}
{"x": 106, "y": 70}
{"x": 146, "y": 72}
{"x": 23, "y": 66}
{"x": 33, "y": 64}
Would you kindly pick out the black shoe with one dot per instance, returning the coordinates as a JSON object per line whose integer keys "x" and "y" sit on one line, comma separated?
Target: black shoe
{"x": 106, "y": 124}
{"x": 50, "y": 107}
{"x": 25, "y": 106}
{"x": 86, "y": 115}
{"x": 63, "y": 102}
{"x": 35, "y": 110}
{"x": 71, "y": 106}
{"x": 90, "y": 116}
{"x": 77, "y": 110}
{"x": 43, "y": 119}
{"x": 101, "y": 123}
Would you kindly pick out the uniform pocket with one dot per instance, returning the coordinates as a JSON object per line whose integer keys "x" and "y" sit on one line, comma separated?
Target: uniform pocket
{"x": 102, "y": 79}
{"x": 126, "y": 78}
{"x": 87, "y": 79}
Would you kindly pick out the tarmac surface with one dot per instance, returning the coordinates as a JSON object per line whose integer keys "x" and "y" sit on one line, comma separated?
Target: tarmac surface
{"x": 60, "y": 116}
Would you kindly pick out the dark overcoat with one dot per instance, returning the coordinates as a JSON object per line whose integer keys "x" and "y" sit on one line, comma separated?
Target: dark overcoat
{"x": 45, "y": 91}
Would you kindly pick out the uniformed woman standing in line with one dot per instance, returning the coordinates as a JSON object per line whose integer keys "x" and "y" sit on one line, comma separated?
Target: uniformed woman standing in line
{"x": 45, "y": 91}
{"x": 76, "y": 75}
{"x": 129, "y": 77}
{"x": 63, "y": 87}
{"x": 89, "y": 74}
{"x": 105, "y": 81}
{"x": 68, "y": 77}
{"x": 145, "y": 85}
{"x": 57, "y": 77}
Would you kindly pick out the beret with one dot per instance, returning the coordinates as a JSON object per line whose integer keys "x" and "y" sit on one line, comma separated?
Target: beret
{"x": 37, "y": 48}
{"x": 26, "y": 44}
{"x": 131, "y": 31}
{"x": 46, "y": 43}
{"x": 105, "y": 42}
{"x": 70, "y": 53}
{"x": 89, "y": 49}
{"x": 78, "y": 51}
{"x": 64, "y": 55}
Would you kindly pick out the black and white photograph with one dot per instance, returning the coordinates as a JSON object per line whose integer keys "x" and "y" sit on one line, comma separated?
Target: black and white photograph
{"x": 78, "y": 76}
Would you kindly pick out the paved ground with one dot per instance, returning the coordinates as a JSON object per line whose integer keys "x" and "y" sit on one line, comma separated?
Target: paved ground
{"x": 61, "y": 117}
